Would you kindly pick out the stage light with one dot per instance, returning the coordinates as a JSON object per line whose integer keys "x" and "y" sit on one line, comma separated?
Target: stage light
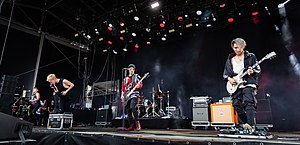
{"x": 125, "y": 49}
{"x": 254, "y": 13}
{"x": 148, "y": 29}
{"x": 198, "y": 12}
{"x": 148, "y": 42}
{"x": 136, "y": 46}
{"x": 101, "y": 39}
{"x": 136, "y": 18}
{"x": 230, "y": 20}
{"x": 122, "y": 31}
{"x": 186, "y": 16}
{"x": 110, "y": 25}
{"x": 110, "y": 28}
{"x": 162, "y": 25}
{"x": 213, "y": 17}
{"x": 154, "y": 5}
{"x": 115, "y": 52}
{"x": 189, "y": 25}
{"x": 96, "y": 29}
{"x": 179, "y": 18}
{"x": 208, "y": 25}
{"x": 88, "y": 37}
{"x": 76, "y": 35}
{"x": 222, "y": 5}
{"x": 122, "y": 24}
{"x": 171, "y": 30}
{"x": 133, "y": 34}
{"x": 163, "y": 38}
{"x": 104, "y": 50}
{"x": 197, "y": 24}
{"x": 109, "y": 42}
{"x": 97, "y": 32}
{"x": 121, "y": 38}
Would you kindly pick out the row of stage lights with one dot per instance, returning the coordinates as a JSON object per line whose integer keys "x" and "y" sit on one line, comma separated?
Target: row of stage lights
{"x": 206, "y": 16}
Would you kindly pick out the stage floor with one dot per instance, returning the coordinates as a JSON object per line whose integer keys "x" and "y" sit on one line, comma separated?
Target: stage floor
{"x": 112, "y": 136}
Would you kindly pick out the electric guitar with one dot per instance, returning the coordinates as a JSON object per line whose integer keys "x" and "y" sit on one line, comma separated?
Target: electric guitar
{"x": 128, "y": 94}
{"x": 231, "y": 88}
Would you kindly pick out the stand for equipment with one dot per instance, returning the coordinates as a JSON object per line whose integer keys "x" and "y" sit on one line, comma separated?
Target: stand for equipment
{"x": 153, "y": 114}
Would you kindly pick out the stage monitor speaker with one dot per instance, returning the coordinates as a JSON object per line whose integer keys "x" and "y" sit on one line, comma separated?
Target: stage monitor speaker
{"x": 13, "y": 128}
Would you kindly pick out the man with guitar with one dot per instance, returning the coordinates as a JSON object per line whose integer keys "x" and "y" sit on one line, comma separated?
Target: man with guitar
{"x": 243, "y": 99}
{"x": 131, "y": 82}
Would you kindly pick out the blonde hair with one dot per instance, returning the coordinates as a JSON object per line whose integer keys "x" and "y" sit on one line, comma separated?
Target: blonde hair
{"x": 239, "y": 42}
{"x": 51, "y": 77}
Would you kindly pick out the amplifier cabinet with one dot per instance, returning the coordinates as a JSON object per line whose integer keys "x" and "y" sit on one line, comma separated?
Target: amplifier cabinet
{"x": 201, "y": 117}
{"x": 104, "y": 117}
{"x": 223, "y": 115}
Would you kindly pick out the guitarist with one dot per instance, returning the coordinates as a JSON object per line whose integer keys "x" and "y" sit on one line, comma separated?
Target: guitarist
{"x": 128, "y": 83}
{"x": 243, "y": 99}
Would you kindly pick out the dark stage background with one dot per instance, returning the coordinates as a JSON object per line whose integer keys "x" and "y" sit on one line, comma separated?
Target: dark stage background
{"x": 190, "y": 65}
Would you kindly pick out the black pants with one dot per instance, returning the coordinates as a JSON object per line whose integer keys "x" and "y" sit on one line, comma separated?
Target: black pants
{"x": 61, "y": 103}
{"x": 244, "y": 103}
{"x": 131, "y": 110}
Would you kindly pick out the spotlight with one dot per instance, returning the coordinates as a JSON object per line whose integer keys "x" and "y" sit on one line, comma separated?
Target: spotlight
{"x": 125, "y": 49}
{"x": 122, "y": 24}
{"x": 208, "y": 25}
{"x": 197, "y": 24}
{"x": 96, "y": 29}
{"x": 163, "y": 38}
{"x": 133, "y": 34}
{"x": 122, "y": 31}
{"x": 110, "y": 25}
{"x": 222, "y": 5}
{"x": 199, "y": 12}
{"x": 179, "y": 18}
{"x": 254, "y": 13}
{"x": 186, "y": 16}
{"x": 110, "y": 28}
{"x": 121, "y": 38}
{"x": 109, "y": 42}
{"x": 189, "y": 25}
{"x": 136, "y": 18}
{"x": 115, "y": 52}
{"x": 148, "y": 42}
{"x": 88, "y": 37}
{"x": 162, "y": 25}
{"x": 154, "y": 5}
{"x": 148, "y": 29}
{"x": 76, "y": 35}
{"x": 171, "y": 30}
{"x": 97, "y": 32}
{"x": 136, "y": 46}
{"x": 230, "y": 20}
{"x": 101, "y": 39}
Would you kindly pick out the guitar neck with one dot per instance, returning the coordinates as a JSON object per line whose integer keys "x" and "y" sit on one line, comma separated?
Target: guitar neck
{"x": 253, "y": 66}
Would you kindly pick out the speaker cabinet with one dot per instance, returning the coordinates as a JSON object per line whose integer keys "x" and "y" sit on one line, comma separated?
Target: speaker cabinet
{"x": 104, "y": 117}
{"x": 223, "y": 115}
{"x": 10, "y": 127}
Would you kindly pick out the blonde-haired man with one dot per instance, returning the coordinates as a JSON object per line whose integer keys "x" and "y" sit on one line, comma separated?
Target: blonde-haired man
{"x": 61, "y": 88}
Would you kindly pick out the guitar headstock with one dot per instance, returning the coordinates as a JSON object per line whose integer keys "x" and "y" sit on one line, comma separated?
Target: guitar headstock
{"x": 146, "y": 75}
{"x": 270, "y": 55}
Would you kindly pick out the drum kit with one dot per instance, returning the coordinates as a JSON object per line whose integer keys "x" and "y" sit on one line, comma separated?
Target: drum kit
{"x": 154, "y": 108}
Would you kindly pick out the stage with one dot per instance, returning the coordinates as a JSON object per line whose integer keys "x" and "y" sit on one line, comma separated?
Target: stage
{"x": 113, "y": 136}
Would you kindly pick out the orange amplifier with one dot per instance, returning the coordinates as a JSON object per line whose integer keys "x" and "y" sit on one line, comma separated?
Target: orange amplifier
{"x": 223, "y": 114}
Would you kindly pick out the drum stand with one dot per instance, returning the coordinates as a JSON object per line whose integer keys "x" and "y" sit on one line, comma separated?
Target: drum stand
{"x": 161, "y": 111}
{"x": 169, "y": 114}
{"x": 153, "y": 114}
